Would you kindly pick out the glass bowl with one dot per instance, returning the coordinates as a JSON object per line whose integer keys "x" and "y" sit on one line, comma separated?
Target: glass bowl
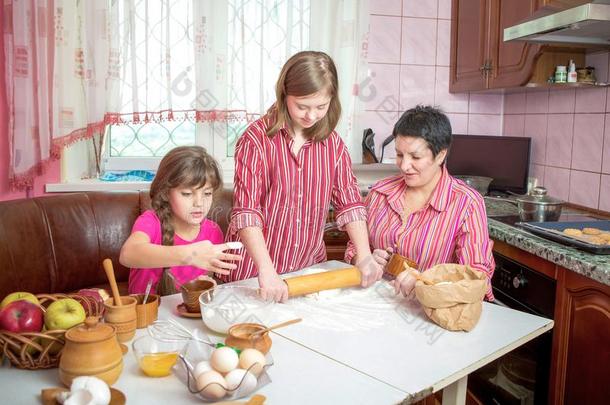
{"x": 155, "y": 357}
{"x": 226, "y": 305}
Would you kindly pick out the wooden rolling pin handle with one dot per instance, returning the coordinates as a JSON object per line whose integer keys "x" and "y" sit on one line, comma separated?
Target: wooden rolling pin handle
{"x": 107, "y": 263}
{"x": 312, "y": 283}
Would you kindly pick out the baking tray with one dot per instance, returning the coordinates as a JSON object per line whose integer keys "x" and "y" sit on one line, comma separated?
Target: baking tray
{"x": 554, "y": 231}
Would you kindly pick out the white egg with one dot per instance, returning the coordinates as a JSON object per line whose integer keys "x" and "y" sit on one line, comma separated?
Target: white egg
{"x": 224, "y": 359}
{"x": 252, "y": 360}
{"x": 97, "y": 387}
{"x": 201, "y": 368}
{"x": 241, "y": 378}
{"x": 212, "y": 385}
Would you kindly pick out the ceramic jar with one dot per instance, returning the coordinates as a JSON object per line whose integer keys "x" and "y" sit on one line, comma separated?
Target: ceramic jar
{"x": 91, "y": 349}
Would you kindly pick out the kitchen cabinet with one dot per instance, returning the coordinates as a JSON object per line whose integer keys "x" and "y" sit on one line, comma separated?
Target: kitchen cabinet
{"x": 581, "y": 349}
{"x": 580, "y": 357}
{"x": 480, "y": 59}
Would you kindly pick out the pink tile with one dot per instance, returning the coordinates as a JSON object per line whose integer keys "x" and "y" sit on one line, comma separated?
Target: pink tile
{"x": 514, "y": 103}
{"x": 514, "y": 125}
{"x": 599, "y": 61}
{"x": 588, "y": 142}
{"x": 459, "y": 123}
{"x": 537, "y": 172}
{"x": 557, "y": 182}
{"x": 537, "y": 102}
{"x": 584, "y": 188}
{"x": 590, "y": 100}
{"x": 562, "y": 101}
{"x": 559, "y": 140}
{"x": 385, "y": 7}
{"x": 443, "y": 43}
{"x": 420, "y": 8}
{"x": 384, "y": 33}
{"x": 448, "y": 102}
{"x": 382, "y": 124}
{"x": 416, "y": 86}
{"x": 418, "y": 41}
{"x": 608, "y": 102}
{"x": 606, "y": 152}
{"x": 485, "y": 103}
{"x": 381, "y": 93}
{"x": 535, "y": 128}
{"x": 604, "y": 196}
{"x": 444, "y": 9}
{"x": 484, "y": 124}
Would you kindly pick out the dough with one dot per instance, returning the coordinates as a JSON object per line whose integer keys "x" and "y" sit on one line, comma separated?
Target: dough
{"x": 605, "y": 236}
{"x": 572, "y": 232}
{"x": 591, "y": 231}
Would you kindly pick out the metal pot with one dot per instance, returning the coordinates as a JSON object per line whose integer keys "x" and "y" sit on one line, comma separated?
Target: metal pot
{"x": 536, "y": 206}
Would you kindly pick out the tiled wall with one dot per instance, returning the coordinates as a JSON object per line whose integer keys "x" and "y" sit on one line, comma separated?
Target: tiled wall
{"x": 408, "y": 58}
{"x": 570, "y": 130}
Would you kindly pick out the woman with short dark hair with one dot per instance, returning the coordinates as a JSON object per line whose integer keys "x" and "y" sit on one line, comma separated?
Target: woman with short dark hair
{"x": 424, "y": 213}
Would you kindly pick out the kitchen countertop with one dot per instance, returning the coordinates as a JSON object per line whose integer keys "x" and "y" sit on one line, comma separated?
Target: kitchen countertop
{"x": 596, "y": 267}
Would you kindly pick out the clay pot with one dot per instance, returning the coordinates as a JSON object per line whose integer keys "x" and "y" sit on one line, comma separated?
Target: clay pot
{"x": 193, "y": 289}
{"x": 122, "y": 317}
{"x": 91, "y": 349}
{"x": 146, "y": 313}
{"x": 240, "y": 336}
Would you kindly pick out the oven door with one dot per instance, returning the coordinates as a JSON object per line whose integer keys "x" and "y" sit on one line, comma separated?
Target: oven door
{"x": 517, "y": 378}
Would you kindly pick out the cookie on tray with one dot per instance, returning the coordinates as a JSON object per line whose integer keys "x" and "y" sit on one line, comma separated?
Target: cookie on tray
{"x": 591, "y": 231}
{"x": 605, "y": 236}
{"x": 572, "y": 232}
{"x": 596, "y": 240}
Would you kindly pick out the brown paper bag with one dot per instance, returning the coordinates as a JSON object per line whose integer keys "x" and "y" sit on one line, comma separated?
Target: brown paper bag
{"x": 457, "y": 305}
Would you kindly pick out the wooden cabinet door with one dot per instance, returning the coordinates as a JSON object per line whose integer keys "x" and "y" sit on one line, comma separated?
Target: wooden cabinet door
{"x": 469, "y": 45}
{"x": 581, "y": 352}
{"x": 512, "y": 62}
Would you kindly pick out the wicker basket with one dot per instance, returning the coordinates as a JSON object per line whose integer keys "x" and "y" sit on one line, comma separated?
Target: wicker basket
{"x": 37, "y": 350}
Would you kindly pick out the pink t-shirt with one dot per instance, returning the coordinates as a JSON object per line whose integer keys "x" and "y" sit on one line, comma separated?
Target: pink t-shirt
{"x": 150, "y": 224}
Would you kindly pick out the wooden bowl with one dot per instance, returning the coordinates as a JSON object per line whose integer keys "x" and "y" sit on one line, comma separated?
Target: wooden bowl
{"x": 193, "y": 289}
{"x": 146, "y": 313}
{"x": 240, "y": 336}
{"x": 122, "y": 317}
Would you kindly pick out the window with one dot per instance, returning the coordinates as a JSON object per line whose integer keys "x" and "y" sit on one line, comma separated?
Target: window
{"x": 192, "y": 57}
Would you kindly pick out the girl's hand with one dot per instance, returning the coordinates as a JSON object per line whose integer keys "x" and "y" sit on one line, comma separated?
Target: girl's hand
{"x": 210, "y": 257}
{"x": 404, "y": 283}
{"x": 272, "y": 287}
{"x": 371, "y": 270}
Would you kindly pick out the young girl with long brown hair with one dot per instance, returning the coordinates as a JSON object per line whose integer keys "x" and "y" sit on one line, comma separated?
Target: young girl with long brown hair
{"x": 175, "y": 236}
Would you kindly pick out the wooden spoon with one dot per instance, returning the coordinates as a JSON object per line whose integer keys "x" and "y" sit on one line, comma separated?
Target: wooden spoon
{"x": 107, "y": 263}
{"x": 276, "y": 326}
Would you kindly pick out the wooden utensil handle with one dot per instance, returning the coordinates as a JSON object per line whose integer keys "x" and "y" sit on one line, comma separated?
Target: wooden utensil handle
{"x": 107, "y": 263}
{"x": 311, "y": 283}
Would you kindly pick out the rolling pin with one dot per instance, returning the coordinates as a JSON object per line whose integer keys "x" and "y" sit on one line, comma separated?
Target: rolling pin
{"x": 312, "y": 283}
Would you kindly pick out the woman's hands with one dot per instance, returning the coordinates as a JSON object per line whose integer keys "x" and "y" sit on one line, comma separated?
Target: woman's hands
{"x": 213, "y": 258}
{"x": 404, "y": 282}
{"x": 382, "y": 256}
{"x": 272, "y": 287}
{"x": 371, "y": 270}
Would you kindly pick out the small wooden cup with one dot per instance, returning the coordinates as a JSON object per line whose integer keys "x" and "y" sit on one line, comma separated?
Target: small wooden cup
{"x": 193, "y": 289}
{"x": 397, "y": 262}
{"x": 240, "y": 336}
{"x": 146, "y": 313}
{"x": 123, "y": 317}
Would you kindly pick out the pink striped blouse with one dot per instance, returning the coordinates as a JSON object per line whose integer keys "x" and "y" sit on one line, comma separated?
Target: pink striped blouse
{"x": 451, "y": 228}
{"x": 288, "y": 196}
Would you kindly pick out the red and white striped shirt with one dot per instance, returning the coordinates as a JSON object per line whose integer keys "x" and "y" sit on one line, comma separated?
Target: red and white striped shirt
{"x": 451, "y": 228}
{"x": 289, "y": 196}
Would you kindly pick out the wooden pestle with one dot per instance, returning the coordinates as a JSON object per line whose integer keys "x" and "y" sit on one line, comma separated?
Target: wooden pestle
{"x": 107, "y": 263}
{"x": 311, "y": 283}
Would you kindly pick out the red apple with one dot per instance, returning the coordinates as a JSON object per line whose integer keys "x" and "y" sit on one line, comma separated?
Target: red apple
{"x": 21, "y": 316}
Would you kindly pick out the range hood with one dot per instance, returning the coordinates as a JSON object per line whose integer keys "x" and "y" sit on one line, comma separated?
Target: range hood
{"x": 588, "y": 24}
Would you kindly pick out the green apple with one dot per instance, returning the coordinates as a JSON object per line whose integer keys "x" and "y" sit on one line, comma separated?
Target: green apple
{"x": 64, "y": 314}
{"x": 19, "y": 295}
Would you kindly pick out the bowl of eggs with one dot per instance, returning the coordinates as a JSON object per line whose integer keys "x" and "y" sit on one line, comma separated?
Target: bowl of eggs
{"x": 223, "y": 373}
{"x": 227, "y": 305}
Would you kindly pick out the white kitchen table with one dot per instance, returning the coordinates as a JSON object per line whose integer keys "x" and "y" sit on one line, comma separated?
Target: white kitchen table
{"x": 356, "y": 347}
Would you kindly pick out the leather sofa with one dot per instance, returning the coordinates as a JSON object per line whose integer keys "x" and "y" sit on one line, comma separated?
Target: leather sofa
{"x": 56, "y": 243}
